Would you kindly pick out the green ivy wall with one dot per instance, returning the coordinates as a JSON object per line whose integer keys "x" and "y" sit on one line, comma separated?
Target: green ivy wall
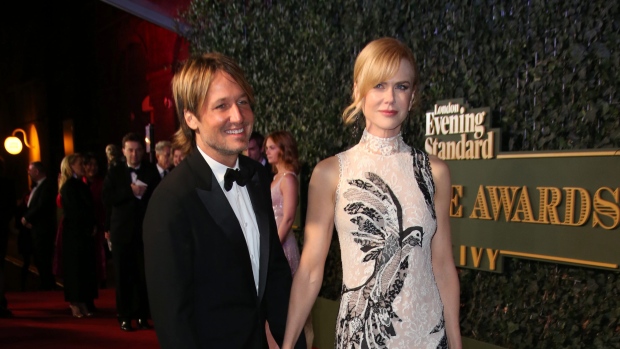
{"x": 549, "y": 71}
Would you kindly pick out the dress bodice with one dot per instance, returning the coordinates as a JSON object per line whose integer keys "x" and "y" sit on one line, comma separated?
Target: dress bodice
{"x": 291, "y": 251}
{"x": 277, "y": 202}
{"x": 385, "y": 219}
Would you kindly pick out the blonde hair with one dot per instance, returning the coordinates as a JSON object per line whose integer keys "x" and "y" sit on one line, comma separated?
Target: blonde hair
{"x": 378, "y": 61}
{"x": 66, "y": 171}
{"x": 190, "y": 86}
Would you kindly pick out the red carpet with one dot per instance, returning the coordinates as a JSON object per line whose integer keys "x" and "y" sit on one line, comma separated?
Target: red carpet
{"x": 43, "y": 320}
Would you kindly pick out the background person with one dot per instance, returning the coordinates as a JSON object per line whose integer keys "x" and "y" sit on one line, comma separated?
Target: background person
{"x": 390, "y": 205}
{"x": 256, "y": 151}
{"x": 163, "y": 156}
{"x": 25, "y": 246}
{"x": 282, "y": 155}
{"x": 94, "y": 180}
{"x": 127, "y": 189}
{"x": 177, "y": 156}
{"x": 113, "y": 155}
{"x": 78, "y": 237}
{"x": 40, "y": 218}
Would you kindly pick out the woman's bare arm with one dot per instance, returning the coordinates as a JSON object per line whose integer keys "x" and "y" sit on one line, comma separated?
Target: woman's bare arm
{"x": 442, "y": 256}
{"x": 317, "y": 238}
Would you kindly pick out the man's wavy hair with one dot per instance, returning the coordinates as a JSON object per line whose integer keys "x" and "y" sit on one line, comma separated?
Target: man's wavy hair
{"x": 190, "y": 86}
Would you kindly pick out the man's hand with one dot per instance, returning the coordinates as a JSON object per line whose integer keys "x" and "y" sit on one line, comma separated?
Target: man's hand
{"x": 138, "y": 190}
{"x": 26, "y": 224}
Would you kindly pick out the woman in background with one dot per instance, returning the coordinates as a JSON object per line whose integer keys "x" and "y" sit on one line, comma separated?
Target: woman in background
{"x": 281, "y": 151}
{"x": 78, "y": 237}
{"x": 177, "y": 156}
{"x": 94, "y": 181}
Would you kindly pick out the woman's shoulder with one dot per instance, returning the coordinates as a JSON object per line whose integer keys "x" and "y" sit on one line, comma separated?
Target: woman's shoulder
{"x": 440, "y": 170}
{"x": 437, "y": 164}
{"x": 327, "y": 170}
{"x": 328, "y": 164}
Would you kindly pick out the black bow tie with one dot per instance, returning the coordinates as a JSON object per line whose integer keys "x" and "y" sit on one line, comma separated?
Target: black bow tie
{"x": 240, "y": 176}
{"x": 131, "y": 169}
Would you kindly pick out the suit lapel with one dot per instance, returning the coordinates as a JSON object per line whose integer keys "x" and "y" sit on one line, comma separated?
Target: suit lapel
{"x": 215, "y": 201}
{"x": 259, "y": 204}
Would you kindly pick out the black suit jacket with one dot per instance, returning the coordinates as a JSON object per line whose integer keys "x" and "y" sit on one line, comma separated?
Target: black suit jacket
{"x": 269, "y": 168}
{"x": 41, "y": 212}
{"x": 125, "y": 211}
{"x": 198, "y": 270}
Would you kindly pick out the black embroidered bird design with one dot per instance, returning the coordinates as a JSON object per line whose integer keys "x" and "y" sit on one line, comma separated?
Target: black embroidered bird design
{"x": 380, "y": 233}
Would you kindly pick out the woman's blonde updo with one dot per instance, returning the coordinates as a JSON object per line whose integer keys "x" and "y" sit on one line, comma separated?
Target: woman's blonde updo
{"x": 377, "y": 62}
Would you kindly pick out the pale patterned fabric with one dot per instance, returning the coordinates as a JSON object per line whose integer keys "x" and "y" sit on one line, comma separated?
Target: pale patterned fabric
{"x": 385, "y": 220}
{"x": 291, "y": 251}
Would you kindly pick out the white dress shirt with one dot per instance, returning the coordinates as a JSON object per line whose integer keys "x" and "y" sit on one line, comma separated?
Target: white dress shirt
{"x": 162, "y": 171}
{"x": 239, "y": 200}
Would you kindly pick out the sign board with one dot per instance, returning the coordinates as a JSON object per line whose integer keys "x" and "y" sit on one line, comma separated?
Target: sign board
{"x": 562, "y": 207}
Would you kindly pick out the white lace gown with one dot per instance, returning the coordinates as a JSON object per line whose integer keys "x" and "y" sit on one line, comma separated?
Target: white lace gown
{"x": 385, "y": 219}
{"x": 291, "y": 251}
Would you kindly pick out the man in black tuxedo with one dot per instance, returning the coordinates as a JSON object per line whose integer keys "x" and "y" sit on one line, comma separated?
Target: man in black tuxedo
{"x": 40, "y": 218}
{"x": 256, "y": 151}
{"x": 214, "y": 264}
{"x": 127, "y": 189}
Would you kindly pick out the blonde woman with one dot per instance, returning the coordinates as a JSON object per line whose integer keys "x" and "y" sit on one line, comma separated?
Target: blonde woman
{"x": 390, "y": 206}
{"x": 78, "y": 237}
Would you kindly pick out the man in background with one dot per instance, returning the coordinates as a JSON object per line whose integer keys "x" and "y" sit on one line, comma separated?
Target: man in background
{"x": 40, "y": 218}
{"x": 256, "y": 151}
{"x": 127, "y": 189}
{"x": 162, "y": 154}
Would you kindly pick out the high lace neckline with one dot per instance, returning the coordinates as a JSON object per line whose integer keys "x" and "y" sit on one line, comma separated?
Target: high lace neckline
{"x": 381, "y": 146}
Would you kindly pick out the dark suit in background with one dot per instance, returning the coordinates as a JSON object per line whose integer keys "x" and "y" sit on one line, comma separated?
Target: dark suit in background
{"x": 41, "y": 214}
{"x": 78, "y": 242}
{"x": 199, "y": 273}
{"x": 126, "y": 213}
{"x": 268, "y": 167}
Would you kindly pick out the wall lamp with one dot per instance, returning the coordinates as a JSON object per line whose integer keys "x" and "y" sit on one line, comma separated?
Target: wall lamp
{"x": 13, "y": 145}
